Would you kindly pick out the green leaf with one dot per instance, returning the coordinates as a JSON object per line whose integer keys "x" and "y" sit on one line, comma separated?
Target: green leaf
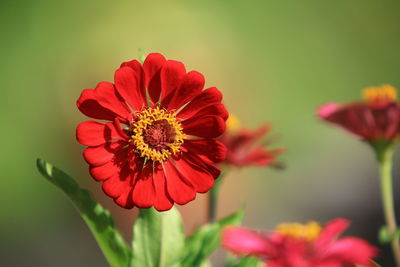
{"x": 206, "y": 263}
{"x": 96, "y": 217}
{"x": 245, "y": 262}
{"x": 385, "y": 236}
{"x": 200, "y": 245}
{"x": 158, "y": 239}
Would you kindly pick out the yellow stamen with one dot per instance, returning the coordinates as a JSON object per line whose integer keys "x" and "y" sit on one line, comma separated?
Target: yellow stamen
{"x": 232, "y": 123}
{"x": 147, "y": 118}
{"x": 380, "y": 93}
{"x": 308, "y": 232}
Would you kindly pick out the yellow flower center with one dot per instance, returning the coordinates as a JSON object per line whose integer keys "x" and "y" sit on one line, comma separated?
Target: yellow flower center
{"x": 156, "y": 134}
{"x": 233, "y": 123}
{"x": 384, "y": 93}
{"x": 308, "y": 232}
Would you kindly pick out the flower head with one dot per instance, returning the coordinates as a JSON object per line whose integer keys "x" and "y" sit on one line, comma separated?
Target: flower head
{"x": 377, "y": 119}
{"x": 245, "y": 146}
{"x": 298, "y": 245}
{"x": 158, "y": 146}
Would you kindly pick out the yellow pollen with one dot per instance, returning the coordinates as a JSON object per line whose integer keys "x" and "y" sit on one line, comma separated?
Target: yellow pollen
{"x": 307, "y": 232}
{"x": 380, "y": 93}
{"x": 165, "y": 140}
{"x": 232, "y": 123}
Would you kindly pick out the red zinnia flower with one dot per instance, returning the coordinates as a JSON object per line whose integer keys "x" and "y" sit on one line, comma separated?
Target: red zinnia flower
{"x": 375, "y": 120}
{"x": 297, "y": 245}
{"x": 245, "y": 146}
{"x": 158, "y": 148}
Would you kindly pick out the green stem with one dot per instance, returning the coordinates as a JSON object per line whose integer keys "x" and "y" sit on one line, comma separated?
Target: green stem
{"x": 213, "y": 199}
{"x": 385, "y": 158}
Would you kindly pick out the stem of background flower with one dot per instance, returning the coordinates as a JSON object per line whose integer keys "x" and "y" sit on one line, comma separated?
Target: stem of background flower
{"x": 213, "y": 199}
{"x": 385, "y": 157}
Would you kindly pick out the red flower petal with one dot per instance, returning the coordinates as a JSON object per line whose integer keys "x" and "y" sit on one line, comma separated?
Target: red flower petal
{"x": 108, "y": 97}
{"x": 120, "y": 185}
{"x": 352, "y": 118}
{"x": 259, "y": 156}
{"x": 100, "y": 155}
{"x": 210, "y": 96}
{"x": 202, "y": 162}
{"x": 243, "y": 241}
{"x": 139, "y": 75}
{"x": 103, "y": 172}
{"x": 125, "y": 199}
{"x": 191, "y": 86}
{"x": 327, "y": 109}
{"x": 207, "y": 126}
{"x": 245, "y": 147}
{"x": 213, "y": 150}
{"x": 172, "y": 74}
{"x": 352, "y": 251}
{"x": 368, "y": 122}
{"x": 331, "y": 231}
{"x": 135, "y": 65}
{"x": 88, "y": 105}
{"x": 92, "y": 133}
{"x": 97, "y": 155}
{"x": 144, "y": 192}
{"x": 199, "y": 177}
{"x": 215, "y": 110}
{"x": 326, "y": 264}
{"x": 163, "y": 201}
{"x": 128, "y": 83}
{"x": 247, "y": 137}
{"x": 179, "y": 188}
{"x": 152, "y": 68}
{"x": 116, "y": 185}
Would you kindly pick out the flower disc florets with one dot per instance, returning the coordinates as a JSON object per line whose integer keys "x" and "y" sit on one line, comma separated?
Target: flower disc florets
{"x": 380, "y": 96}
{"x": 156, "y": 134}
{"x": 308, "y": 232}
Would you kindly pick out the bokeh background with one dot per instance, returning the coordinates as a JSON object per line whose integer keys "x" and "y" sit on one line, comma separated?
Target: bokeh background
{"x": 275, "y": 62}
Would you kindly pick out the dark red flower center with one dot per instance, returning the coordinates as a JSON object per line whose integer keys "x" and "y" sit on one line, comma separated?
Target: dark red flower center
{"x": 157, "y": 134}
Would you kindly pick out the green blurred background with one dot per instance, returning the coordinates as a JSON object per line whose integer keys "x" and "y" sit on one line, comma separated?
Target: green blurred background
{"x": 275, "y": 61}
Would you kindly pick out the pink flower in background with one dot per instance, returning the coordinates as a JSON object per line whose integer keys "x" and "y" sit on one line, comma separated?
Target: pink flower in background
{"x": 298, "y": 245}
{"x": 375, "y": 119}
{"x": 245, "y": 147}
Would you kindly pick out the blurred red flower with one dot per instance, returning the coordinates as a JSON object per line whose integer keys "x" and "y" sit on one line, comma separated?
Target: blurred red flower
{"x": 297, "y": 245}
{"x": 245, "y": 146}
{"x": 375, "y": 120}
{"x": 158, "y": 146}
